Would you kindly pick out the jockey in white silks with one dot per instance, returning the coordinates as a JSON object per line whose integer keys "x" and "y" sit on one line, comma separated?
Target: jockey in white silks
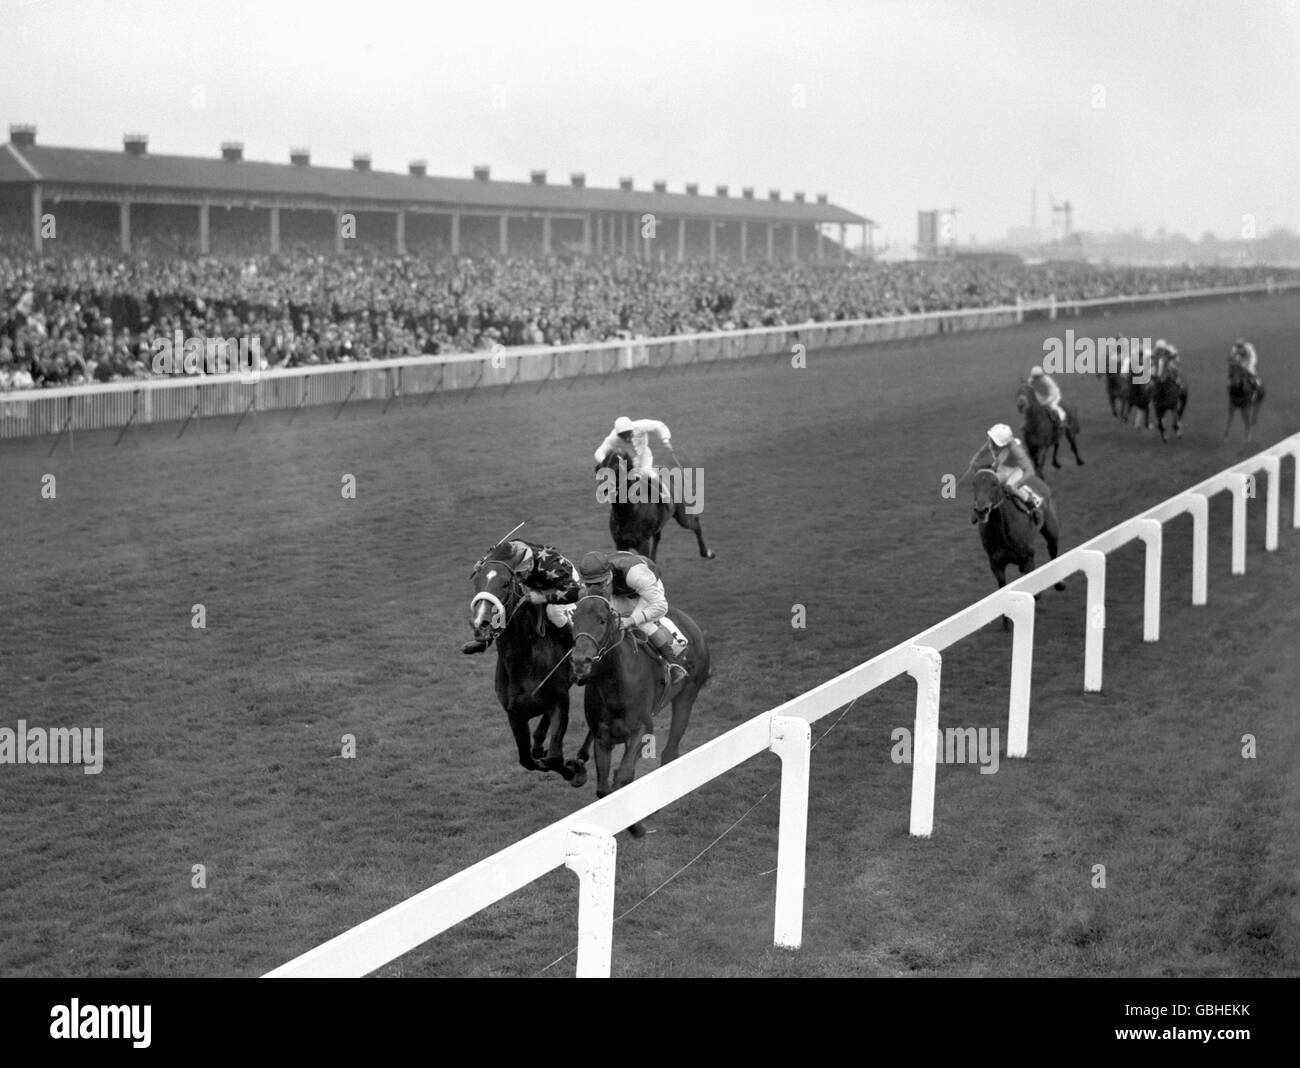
{"x": 1243, "y": 353}
{"x": 1047, "y": 392}
{"x": 635, "y": 433}
{"x": 1005, "y": 454}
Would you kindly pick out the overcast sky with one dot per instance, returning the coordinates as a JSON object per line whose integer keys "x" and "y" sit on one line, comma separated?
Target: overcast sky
{"x": 1143, "y": 114}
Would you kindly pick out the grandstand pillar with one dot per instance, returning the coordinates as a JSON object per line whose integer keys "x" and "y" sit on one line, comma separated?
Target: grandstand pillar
{"x": 205, "y": 229}
{"x": 455, "y": 233}
{"x": 821, "y": 254}
{"x": 713, "y": 240}
{"x": 844, "y": 243}
{"x": 625, "y": 229}
{"x": 794, "y": 242}
{"x": 771, "y": 242}
{"x": 401, "y": 233}
{"x": 744, "y": 240}
{"x": 681, "y": 240}
{"x": 338, "y": 228}
{"x": 124, "y": 225}
{"x": 586, "y": 234}
{"x": 37, "y": 211}
{"x": 546, "y": 235}
{"x": 503, "y": 235}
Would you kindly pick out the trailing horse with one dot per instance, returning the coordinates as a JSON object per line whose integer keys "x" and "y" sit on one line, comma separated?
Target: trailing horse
{"x": 626, "y": 684}
{"x": 1006, "y": 529}
{"x": 533, "y": 674}
{"x": 1245, "y": 394}
{"x": 1041, "y": 431}
{"x": 1169, "y": 394}
{"x": 638, "y": 525}
{"x": 1117, "y": 388}
{"x": 1138, "y": 400}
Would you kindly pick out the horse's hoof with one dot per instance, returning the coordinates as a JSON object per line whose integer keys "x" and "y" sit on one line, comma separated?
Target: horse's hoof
{"x": 637, "y": 830}
{"x": 1079, "y": 461}
{"x": 1059, "y": 586}
{"x": 579, "y": 774}
{"x": 710, "y": 555}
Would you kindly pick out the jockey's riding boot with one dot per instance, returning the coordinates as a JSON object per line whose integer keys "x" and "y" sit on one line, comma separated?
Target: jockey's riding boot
{"x": 476, "y": 645}
{"x": 1035, "y": 507}
{"x": 678, "y": 666}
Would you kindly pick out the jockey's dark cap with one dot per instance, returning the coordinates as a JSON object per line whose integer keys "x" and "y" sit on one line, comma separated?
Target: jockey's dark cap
{"x": 594, "y": 568}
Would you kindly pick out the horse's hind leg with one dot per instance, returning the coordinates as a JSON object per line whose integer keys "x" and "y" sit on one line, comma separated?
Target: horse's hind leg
{"x": 682, "y": 705}
{"x": 573, "y": 771}
{"x": 692, "y": 523}
{"x": 519, "y": 727}
{"x": 1074, "y": 447}
{"x": 626, "y": 773}
{"x": 1228, "y": 425}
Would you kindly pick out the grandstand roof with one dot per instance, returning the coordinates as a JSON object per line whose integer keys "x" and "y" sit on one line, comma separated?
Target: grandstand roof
{"x": 192, "y": 175}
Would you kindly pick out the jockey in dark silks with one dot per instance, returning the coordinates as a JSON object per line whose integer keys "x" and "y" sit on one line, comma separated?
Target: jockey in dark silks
{"x": 548, "y": 577}
{"x": 1003, "y": 452}
{"x": 633, "y": 585}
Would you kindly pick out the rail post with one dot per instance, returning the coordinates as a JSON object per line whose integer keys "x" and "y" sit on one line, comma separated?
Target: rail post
{"x": 792, "y": 742}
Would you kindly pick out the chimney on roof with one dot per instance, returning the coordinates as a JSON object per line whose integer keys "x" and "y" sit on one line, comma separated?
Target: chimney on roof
{"x": 660, "y": 186}
{"x": 722, "y": 190}
{"x": 482, "y": 172}
{"x": 537, "y": 177}
{"x": 232, "y": 151}
{"x": 798, "y": 198}
{"x": 22, "y": 135}
{"x": 821, "y": 198}
{"x": 300, "y": 157}
{"x": 361, "y": 161}
{"x": 774, "y": 194}
{"x": 578, "y": 179}
{"x": 625, "y": 184}
{"x": 692, "y": 189}
{"x": 418, "y": 168}
{"x": 135, "y": 144}
{"x": 748, "y": 192}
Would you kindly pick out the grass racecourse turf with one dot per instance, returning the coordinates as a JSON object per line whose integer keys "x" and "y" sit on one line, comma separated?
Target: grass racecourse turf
{"x": 328, "y": 617}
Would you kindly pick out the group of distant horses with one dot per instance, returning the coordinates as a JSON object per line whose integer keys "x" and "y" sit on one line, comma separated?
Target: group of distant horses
{"x": 625, "y": 685}
{"x": 1007, "y": 530}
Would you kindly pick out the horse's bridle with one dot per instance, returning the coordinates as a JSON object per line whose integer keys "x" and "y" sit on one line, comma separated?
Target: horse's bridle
{"x": 998, "y": 496}
{"x": 602, "y": 645}
{"x": 499, "y": 619}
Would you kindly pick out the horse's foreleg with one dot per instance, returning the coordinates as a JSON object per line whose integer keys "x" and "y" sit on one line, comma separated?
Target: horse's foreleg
{"x": 603, "y": 753}
{"x": 692, "y": 523}
{"x": 519, "y": 727}
{"x": 539, "y": 735}
{"x": 681, "y": 717}
{"x": 1074, "y": 448}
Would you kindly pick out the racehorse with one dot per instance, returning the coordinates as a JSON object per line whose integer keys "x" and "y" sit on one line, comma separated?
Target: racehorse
{"x": 625, "y": 686}
{"x": 1138, "y": 400}
{"x": 1041, "y": 430}
{"x": 638, "y": 525}
{"x": 1168, "y": 394}
{"x": 1117, "y": 385}
{"x": 1244, "y": 394}
{"x": 1007, "y": 531}
{"x": 533, "y": 674}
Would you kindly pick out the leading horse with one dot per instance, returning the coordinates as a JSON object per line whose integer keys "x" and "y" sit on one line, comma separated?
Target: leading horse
{"x": 626, "y": 686}
{"x": 1041, "y": 431}
{"x": 637, "y": 525}
{"x": 533, "y": 674}
{"x": 1007, "y": 531}
{"x": 1245, "y": 394}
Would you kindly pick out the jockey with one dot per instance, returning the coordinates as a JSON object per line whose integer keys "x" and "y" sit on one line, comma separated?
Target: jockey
{"x": 1004, "y": 453}
{"x": 634, "y": 434}
{"x": 547, "y": 577}
{"x": 632, "y": 584}
{"x": 1245, "y": 357}
{"x": 1166, "y": 356}
{"x": 1047, "y": 392}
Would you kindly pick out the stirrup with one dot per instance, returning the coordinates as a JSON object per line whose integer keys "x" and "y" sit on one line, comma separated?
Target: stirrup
{"x": 673, "y": 665}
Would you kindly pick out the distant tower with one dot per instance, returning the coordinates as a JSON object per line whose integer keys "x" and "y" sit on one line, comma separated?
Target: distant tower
{"x": 1062, "y": 215}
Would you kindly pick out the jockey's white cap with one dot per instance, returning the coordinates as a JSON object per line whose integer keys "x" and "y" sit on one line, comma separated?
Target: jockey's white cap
{"x": 1035, "y": 372}
{"x": 1162, "y": 344}
{"x": 1000, "y": 435}
{"x": 622, "y": 425}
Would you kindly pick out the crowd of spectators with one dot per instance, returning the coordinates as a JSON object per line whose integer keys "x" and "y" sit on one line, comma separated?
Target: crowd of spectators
{"x": 94, "y": 317}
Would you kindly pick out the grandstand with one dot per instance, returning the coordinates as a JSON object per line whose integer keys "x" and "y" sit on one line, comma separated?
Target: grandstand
{"x": 230, "y": 204}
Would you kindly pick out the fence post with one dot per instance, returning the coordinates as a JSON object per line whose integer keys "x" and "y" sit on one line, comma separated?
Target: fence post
{"x": 926, "y": 666}
{"x": 1239, "y": 523}
{"x": 791, "y": 740}
{"x": 1152, "y": 533}
{"x": 1272, "y": 468}
{"x": 591, "y": 852}
{"x": 1094, "y": 630}
{"x": 1020, "y": 610}
{"x": 1199, "y": 506}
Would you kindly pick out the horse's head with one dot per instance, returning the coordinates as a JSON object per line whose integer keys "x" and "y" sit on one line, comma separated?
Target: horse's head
{"x": 1024, "y": 396}
{"x": 497, "y": 592}
{"x": 988, "y": 494}
{"x": 595, "y": 632}
{"x": 619, "y": 456}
